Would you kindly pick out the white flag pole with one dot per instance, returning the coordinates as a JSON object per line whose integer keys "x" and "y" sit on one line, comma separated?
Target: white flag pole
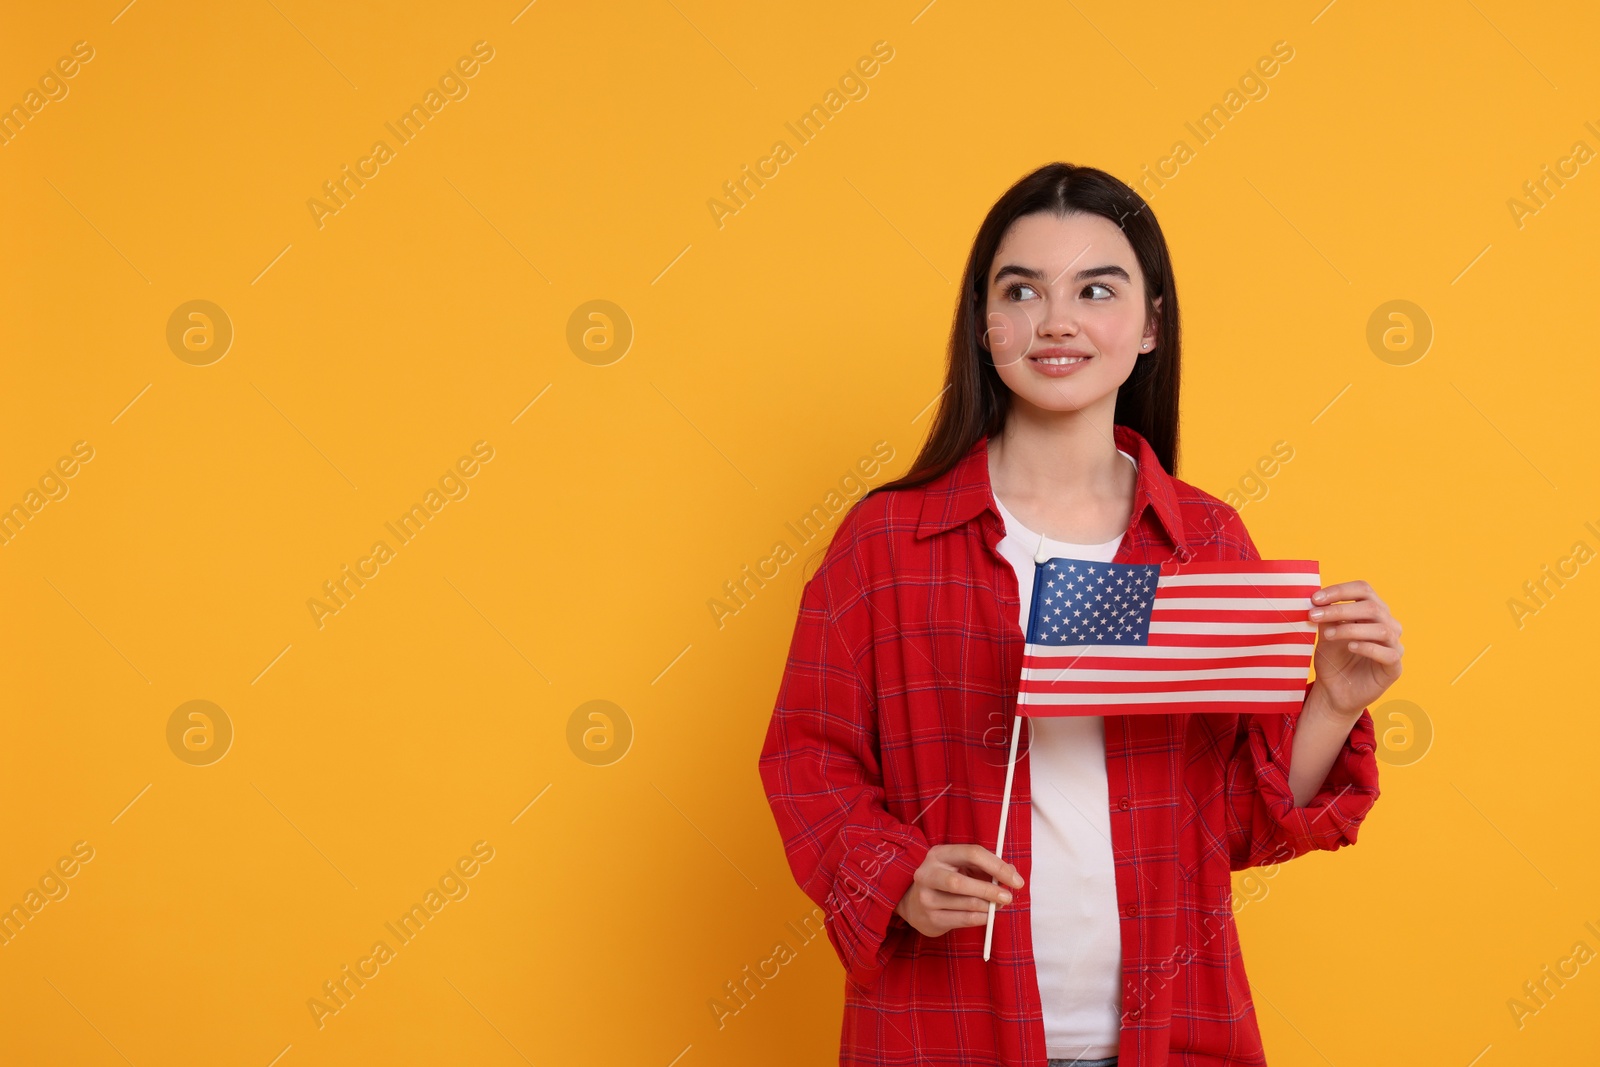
{"x": 1040, "y": 556}
{"x": 1005, "y": 809}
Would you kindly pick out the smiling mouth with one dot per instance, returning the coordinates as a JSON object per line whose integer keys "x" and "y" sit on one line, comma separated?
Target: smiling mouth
{"x": 1058, "y": 361}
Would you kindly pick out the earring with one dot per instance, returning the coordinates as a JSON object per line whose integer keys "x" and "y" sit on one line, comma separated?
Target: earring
{"x": 1145, "y": 347}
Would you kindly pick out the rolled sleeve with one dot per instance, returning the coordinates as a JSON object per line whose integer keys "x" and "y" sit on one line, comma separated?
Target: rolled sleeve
{"x": 1264, "y": 825}
{"x": 823, "y": 778}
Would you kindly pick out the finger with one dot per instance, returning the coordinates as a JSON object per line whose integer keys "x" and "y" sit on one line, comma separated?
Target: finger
{"x": 1356, "y": 590}
{"x": 985, "y": 861}
{"x": 1375, "y": 632}
{"x": 1349, "y": 611}
{"x": 958, "y": 884}
{"x": 1381, "y": 653}
{"x": 955, "y": 920}
{"x": 938, "y": 899}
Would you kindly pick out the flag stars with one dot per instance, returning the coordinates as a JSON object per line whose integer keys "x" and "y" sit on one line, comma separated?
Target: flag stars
{"x": 1086, "y": 602}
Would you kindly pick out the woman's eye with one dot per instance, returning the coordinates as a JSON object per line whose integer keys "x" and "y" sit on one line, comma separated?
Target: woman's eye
{"x": 1105, "y": 292}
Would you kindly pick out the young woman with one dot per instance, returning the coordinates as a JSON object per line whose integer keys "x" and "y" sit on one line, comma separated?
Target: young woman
{"x": 885, "y": 759}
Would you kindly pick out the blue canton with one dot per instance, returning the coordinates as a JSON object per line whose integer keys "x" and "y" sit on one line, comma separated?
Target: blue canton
{"x": 1080, "y": 602}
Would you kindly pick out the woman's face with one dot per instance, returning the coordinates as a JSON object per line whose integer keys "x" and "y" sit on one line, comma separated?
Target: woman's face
{"x": 1060, "y": 288}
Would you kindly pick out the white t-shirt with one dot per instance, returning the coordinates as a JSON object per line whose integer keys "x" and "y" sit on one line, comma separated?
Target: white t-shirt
{"x": 1077, "y": 932}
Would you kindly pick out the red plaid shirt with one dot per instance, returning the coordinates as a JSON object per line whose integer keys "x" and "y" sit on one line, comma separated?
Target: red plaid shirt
{"x": 891, "y": 734}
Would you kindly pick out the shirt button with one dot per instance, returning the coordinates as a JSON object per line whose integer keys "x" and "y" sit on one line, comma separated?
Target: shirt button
{"x": 1122, "y": 802}
{"x": 1134, "y": 1014}
{"x": 1131, "y": 910}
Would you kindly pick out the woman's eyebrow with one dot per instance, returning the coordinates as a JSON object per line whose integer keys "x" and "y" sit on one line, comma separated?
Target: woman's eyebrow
{"x": 1106, "y": 270}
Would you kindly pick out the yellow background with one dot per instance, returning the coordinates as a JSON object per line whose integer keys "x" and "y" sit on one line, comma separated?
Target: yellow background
{"x": 769, "y": 355}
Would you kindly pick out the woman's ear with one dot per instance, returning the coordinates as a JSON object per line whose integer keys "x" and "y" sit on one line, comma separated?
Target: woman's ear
{"x": 1150, "y": 338}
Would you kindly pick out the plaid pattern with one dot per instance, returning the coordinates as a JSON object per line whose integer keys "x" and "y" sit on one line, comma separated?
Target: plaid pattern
{"x": 890, "y": 734}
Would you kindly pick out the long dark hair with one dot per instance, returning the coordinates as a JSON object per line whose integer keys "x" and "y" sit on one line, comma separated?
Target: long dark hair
{"x": 975, "y": 401}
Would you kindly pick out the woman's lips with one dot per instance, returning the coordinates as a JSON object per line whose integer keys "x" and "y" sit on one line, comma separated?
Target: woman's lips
{"x": 1059, "y": 366}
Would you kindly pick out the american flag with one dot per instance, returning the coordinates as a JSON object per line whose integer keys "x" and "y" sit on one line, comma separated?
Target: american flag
{"x": 1168, "y": 638}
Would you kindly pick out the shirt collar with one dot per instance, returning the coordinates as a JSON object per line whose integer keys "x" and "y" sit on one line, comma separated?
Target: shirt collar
{"x": 963, "y": 492}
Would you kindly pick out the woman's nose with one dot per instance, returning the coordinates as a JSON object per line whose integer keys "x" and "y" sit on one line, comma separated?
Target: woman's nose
{"x": 1058, "y": 321}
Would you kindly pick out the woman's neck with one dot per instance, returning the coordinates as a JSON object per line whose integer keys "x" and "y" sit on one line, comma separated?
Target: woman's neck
{"x": 1062, "y": 476}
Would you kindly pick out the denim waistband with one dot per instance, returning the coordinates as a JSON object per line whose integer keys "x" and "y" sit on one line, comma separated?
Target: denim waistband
{"x": 1110, "y": 1061}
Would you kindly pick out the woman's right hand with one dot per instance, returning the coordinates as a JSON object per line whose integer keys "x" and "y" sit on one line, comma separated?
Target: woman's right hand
{"x": 943, "y": 898}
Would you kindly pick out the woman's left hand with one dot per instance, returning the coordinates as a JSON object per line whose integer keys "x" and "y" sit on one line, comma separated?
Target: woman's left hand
{"x": 1358, "y": 650}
